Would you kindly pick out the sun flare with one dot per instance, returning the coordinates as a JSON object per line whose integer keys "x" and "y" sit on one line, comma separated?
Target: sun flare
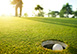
{"x": 5, "y": 7}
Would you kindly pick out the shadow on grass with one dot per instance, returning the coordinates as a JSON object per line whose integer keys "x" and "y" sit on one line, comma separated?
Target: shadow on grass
{"x": 64, "y": 22}
{"x": 72, "y": 50}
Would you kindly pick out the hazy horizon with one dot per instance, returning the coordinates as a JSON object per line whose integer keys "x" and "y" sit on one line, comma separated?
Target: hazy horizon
{"x": 28, "y": 6}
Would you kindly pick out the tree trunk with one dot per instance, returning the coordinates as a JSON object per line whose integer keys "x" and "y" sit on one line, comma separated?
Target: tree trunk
{"x": 18, "y": 5}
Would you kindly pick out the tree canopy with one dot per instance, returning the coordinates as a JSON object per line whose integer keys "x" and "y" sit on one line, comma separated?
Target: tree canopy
{"x": 14, "y": 2}
{"x": 18, "y": 4}
{"x": 66, "y": 9}
{"x": 38, "y": 7}
{"x": 75, "y": 13}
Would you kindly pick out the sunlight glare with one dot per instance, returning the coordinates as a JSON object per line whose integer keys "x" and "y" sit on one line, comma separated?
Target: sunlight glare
{"x": 6, "y": 8}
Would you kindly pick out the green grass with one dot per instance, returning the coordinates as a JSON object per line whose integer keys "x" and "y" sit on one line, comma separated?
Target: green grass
{"x": 25, "y": 35}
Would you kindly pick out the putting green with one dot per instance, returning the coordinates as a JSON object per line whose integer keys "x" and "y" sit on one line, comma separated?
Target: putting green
{"x": 24, "y": 35}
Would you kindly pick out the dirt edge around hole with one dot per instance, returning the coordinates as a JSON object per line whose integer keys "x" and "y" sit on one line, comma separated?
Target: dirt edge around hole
{"x": 49, "y": 44}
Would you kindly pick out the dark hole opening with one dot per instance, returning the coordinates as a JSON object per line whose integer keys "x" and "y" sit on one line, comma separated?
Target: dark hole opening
{"x": 49, "y": 46}
{"x": 63, "y": 47}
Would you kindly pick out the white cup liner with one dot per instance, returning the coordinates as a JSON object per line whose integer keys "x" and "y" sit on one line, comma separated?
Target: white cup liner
{"x": 49, "y": 44}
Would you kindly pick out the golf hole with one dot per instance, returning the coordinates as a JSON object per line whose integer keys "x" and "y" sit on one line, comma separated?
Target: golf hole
{"x": 54, "y": 45}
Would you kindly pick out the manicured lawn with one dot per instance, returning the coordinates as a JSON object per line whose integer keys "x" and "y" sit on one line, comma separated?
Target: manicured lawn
{"x": 25, "y": 35}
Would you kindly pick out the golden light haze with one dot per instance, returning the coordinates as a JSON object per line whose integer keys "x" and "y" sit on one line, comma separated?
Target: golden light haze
{"x": 28, "y": 7}
{"x": 6, "y": 8}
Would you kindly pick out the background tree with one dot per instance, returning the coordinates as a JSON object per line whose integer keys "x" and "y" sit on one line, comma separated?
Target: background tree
{"x": 66, "y": 9}
{"x": 75, "y": 14}
{"x": 14, "y": 2}
{"x": 61, "y": 13}
{"x": 18, "y": 4}
{"x": 41, "y": 14}
{"x": 49, "y": 13}
{"x": 25, "y": 14}
{"x": 53, "y": 14}
{"x": 39, "y": 8}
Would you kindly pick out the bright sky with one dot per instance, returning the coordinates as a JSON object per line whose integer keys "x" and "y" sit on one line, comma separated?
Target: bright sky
{"x": 28, "y": 7}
